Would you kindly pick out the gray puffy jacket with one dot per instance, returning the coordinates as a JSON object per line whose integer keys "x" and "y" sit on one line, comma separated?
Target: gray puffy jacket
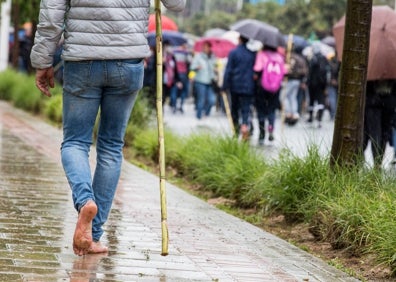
{"x": 94, "y": 30}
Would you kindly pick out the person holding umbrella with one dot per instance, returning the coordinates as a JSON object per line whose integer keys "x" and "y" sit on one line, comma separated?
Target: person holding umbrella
{"x": 238, "y": 79}
{"x": 103, "y": 72}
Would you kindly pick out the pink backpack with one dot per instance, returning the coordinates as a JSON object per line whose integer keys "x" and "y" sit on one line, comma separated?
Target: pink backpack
{"x": 273, "y": 71}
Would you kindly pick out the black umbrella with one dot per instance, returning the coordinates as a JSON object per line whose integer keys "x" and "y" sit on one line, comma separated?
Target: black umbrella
{"x": 174, "y": 38}
{"x": 261, "y": 31}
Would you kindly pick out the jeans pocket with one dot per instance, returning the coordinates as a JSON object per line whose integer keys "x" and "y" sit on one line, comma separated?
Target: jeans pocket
{"x": 131, "y": 74}
{"x": 76, "y": 76}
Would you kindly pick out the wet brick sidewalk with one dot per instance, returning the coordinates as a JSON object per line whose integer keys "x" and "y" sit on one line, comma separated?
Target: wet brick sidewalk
{"x": 37, "y": 222}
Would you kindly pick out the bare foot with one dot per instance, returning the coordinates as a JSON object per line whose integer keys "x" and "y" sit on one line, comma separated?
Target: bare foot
{"x": 82, "y": 238}
{"x": 97, "y": 248}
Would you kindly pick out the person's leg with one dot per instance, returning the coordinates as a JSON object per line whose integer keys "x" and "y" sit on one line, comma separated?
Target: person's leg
{"x": 301, "y": 99}
{"x": 166, "y": 93}
{"x": 394, "y": 144}
{"x": 81, "y": 100}
{"x": 119, "y": 97}
{"x": 295, "y": 85}
{"x": 320, "y": 96}
{"x": 260, "y": 110}
{"x": 235, "y": 110}
{"x": 287, "y": 102}
{"x": 386, "y": 127}
{"x": 312, "y": 98}
{"x": 184, "y": 92}
{"x": 173, "y": 97}
{"x": 211, "y": 99}
{"x": 373, "y": 131}
{"x": 332, "y": 95}
{"x": 245, "y": 103}
{"x": 200, "y": 98}
{"x": 271, "y": 124}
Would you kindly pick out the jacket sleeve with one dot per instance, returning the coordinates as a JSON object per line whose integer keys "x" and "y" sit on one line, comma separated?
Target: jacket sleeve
{"x": 49, "y": 32}
{"x": 174, "y": 5}
{"x": 195, "y": 64}
{"x": 227, "y": 73}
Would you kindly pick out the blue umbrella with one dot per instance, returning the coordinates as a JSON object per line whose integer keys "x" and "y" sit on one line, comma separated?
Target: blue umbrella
{"x": 174, "y": 38}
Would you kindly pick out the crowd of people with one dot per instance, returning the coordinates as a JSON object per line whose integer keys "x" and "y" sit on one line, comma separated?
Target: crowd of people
{"x": 267, "y": 84}
{"x": 258, "y": 83}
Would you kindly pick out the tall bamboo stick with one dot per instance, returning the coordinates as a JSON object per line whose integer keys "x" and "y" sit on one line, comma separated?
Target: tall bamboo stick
{"x": 228, "y": 112}
{"x": 161, "y": 139}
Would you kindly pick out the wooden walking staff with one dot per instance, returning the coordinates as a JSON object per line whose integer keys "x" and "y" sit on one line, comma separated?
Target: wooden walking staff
{"x": 161, "y": 139}
{"x": 228, "y": 111}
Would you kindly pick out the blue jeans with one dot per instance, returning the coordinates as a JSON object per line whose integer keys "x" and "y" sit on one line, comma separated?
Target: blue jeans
{"x": 291, "y": 102}
{"x": 206, "y": 98}
{"x": 180, "y": 93}
{"x": 90, "y": 87}
{"x": 332, "y": 96}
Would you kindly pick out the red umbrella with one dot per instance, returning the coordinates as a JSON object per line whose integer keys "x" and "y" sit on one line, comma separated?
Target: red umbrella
{"x": 220, "y": 47}
{"x": 382, "y": 52}
{"x": 167, "y": 23}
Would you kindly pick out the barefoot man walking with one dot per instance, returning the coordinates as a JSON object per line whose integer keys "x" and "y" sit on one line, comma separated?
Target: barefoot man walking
{"x": 103, "y": 51}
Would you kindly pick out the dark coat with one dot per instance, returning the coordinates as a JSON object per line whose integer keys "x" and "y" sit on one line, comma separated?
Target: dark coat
{"x": 238, "y": 75}
{"x": 379, "y": 115}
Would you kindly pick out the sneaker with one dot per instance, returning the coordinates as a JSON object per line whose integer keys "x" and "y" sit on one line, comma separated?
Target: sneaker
{"x": 261, "y": 141}
{"x": 271, "y": 137}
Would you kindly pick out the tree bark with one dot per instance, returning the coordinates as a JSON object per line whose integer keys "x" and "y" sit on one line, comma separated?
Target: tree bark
{"x": 348, "y": 129}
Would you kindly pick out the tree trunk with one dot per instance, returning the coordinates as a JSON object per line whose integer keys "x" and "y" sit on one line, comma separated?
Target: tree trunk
{"x": 348, "y": 128}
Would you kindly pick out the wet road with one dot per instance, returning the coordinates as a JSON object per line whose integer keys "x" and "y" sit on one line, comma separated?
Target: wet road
{"x": 37, "y": 222}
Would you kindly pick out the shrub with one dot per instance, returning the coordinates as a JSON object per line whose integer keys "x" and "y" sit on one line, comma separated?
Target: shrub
{"x": 9, "y": 79}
